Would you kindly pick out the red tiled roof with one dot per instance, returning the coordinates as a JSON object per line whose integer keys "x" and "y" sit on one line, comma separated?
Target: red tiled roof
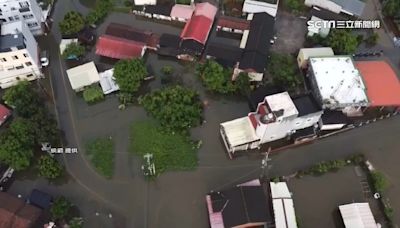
{"x": 197, "y": 28}
{"x": 233, "y": 23}
{"x": 4, "y": 113}
{"x": 15, "y": 213}
{"x": 118, "y": 48}
{"x": 383, "y": 86}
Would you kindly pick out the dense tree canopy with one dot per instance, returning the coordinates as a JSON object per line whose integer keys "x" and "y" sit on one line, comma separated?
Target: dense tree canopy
{"x": 283, "y": 70}
{"x": 342, "y": 41}
{"x": 72, "y": 23}
{"x": 60, "y": 208}
{"x": 73, "y": 49}
{"x": 215, "y": 77}
{"x": 129, "y": 74}
{"x": 49, "y": 167}
{"x": 16, "y": 144}
{"x": 176, "y": 108}
{"x": 22, "y": 98}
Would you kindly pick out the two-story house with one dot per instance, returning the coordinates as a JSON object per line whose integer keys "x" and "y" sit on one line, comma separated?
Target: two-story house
{"x": 277, "y": 117}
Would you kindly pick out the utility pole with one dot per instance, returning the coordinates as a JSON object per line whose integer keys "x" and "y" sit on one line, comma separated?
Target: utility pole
{"x": 264, "y": 163}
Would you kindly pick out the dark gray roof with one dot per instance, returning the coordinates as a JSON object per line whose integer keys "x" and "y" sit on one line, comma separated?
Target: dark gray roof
{"x": 306, "y": 104}
{"x": 191, "y": 47}
{"x": 305, "y": 132}
{"x": 158, "y": 9}
{"x": 257, "y": 96}
{"x": 11, "y": 40}
{"x": 355, "y": 7}
{"x": 327, "y": 15}
{"x": 170, "y": 40}
{"x": 242, "y": 205}
{"x": 334, "y": 117}
{"x": 253, "y": 61}
{"x": 226, "y": 55}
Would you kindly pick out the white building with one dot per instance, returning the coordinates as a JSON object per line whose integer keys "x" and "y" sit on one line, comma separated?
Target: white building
{"x": 357, "y": 215}
{"x": 283, "y": 206}
{"x": 82, "y": 76}
{"x": 270, "y": 7}
{"x": 277, "y": 117}
{"x": 145, "y": 2}
{"x": 28, "y": 11}
{"x": 107, "y": 81}
{"x": 337, "y": 83}
{"x": 19, "y": 58}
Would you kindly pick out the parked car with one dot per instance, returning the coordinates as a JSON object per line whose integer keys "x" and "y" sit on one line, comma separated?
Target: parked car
{"x": 44, "y": 58}
{"x": 6, "y": 174}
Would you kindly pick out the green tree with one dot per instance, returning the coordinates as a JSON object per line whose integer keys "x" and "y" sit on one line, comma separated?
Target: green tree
{"x": 391, "y": 8}
{"x": 283, "y": 70}
{"x": 215, "y": 77}
{"x": 129, "y": 74}
{"x": 73, "y": 49}
{"x": 342, "y": 41}
{"x": 295, "y": 6}
{"x": 49, "y": 167}
{"x": 45, "y": 127}
{"x": 242, "y": 83}
{"x": 75, "y": 222}
{"x": 60, "y": 208}
{"x": 16, "y": 144}
{"x": 72, "y": 23}
{"x": 23, "y": 98}
{"x": 176, "y": 108}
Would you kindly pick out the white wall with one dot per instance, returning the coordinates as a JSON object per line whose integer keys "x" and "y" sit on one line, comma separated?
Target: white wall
{"x": 306, "y": 121}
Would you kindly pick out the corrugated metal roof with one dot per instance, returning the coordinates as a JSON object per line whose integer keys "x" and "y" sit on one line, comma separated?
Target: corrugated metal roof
{"x": 83, "y": 75}
{"x": 355, "y": 7}
{"x": 357, "y": 215}
{"x": 118, "y": 48}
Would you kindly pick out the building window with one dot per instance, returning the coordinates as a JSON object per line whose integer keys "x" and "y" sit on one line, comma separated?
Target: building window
{"x": 297, "y": 123}
{"x": 15, "y": 57}
{"x": 18, "y": 78}
{"x": 25, "y": 55}
{"x": 32, "y": 24}
{"x": 29, "y": 75}
{"x": 11, "y": 18}
{"x": 24, "y": 4}
{"x": 13, "y": 8}
{"x": 308, "y": 120}
{"x": 3, "y": 59}
{"x": 27, "y": 16}
{"x": 28, "y": 64}
{"x": 19, "y": 67}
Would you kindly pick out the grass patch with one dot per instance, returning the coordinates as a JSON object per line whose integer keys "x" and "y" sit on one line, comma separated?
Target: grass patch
{"x": 101, "y": 155}
{"x": 122, "y": 9}
{"x": 184, "y": 2}
{"x": 170, "y": 151}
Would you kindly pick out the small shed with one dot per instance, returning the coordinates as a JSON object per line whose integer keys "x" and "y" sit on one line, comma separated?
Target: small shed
{"x": 65, "y": 42}
{"x": 357, "y": 215}
{"x": 306, "y": 53}
{"x": 107, "y": 81}
{"x": 82, "y": 76}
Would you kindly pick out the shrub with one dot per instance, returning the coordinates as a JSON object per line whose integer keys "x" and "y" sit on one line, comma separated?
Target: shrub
{"x": 93, "y": 94}
{"x": 103, "y": 7}
{"x": 167, "y": 70}
{"x": 295, "y": 6}
{"x": 73, "y": 50}
{"x": 49, "y": 167}
{"x": 372, "y": 40}
{"x": 215, "y": 77}
{"x": 72, "y": 23}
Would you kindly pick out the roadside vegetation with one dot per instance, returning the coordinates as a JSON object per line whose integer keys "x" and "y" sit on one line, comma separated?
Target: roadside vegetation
{"x": 170, "y": 151}
{"x": 176, "y": 108}
{"x": 391, "y": 8}
{"x": 295, "y": 6}
{"x": 218, "y": 79}
{"x": 32, "y": 126}
{"x": 64, "y": 213}
{"x": 101, "y": 154}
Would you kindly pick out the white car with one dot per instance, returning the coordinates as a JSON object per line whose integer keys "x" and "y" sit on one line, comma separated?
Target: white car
{"x": 44, "y": 59}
